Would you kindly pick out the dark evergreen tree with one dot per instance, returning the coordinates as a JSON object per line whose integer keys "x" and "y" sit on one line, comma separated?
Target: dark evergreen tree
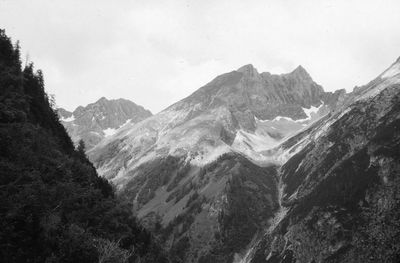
{"x": 53, "y": 205}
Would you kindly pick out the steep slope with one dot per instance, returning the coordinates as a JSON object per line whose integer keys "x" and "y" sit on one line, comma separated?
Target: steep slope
{"x": 185, "y": 167}
{"x": 100, "y": 119}
{"x": 340, "y": 183}
{"x": 53, "y": 205}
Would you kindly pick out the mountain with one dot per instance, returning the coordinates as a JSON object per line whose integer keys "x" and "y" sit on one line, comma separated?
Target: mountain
{"x": 266, "y": 168}
{"x": 252, "y": 167}
{"x": 53, "y": 205}
{"x": 236, "y": 110}
{"x": 100, "y": 119}
{"x": 339, "y": 189}
{"x": 200, "y": 173}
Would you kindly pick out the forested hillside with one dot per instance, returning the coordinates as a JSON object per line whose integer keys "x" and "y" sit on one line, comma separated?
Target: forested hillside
{"x": 53, "y": 205}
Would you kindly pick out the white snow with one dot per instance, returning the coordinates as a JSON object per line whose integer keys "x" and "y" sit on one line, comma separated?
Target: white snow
{"x": 309, "y": 113}
{"x": 72, "y": 118}
{"x": 278, "y": 118}
{"x": 311, "y": 110}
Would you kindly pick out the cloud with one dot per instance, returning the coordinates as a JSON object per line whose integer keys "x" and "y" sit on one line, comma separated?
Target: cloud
{"x": 157, "y": 52}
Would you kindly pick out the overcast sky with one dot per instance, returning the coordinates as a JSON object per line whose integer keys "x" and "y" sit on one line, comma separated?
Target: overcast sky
{"x": 157, "y": 52}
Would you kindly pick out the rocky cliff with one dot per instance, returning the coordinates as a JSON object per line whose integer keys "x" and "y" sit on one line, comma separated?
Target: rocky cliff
{"x": 100, "y": 119}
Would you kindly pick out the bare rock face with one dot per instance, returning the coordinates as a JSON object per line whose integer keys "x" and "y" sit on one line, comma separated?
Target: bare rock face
{"x": 100, "y": 119}
{"x": 248, "y": 94}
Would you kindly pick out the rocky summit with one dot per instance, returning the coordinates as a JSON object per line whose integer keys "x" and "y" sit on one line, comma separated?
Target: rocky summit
{"x": 100, "y": 119}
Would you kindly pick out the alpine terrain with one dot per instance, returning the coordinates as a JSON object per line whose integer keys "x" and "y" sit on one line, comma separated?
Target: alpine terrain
{"x": 206, "y": 174}
{"x": 339, "y": 184}
{"x": 250, "y": 167}
{"x": 100, "y": 119}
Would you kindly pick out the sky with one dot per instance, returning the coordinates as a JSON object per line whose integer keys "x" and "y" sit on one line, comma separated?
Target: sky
{"x": 158, "y": 52}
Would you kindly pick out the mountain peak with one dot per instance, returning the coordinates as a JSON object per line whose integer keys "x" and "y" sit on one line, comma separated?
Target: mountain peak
{"x": 100, "y": 119}
{"x": 300, "y": 69}
{"x": 103, "y": 99}
{"x": 300, "y": 72}
{"x": 248, "y": 69}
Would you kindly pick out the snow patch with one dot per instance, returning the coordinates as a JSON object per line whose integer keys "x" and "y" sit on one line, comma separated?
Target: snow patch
{"x": 278, "y": 118}
{"x": 311, "y": 110}
{"x": 309, "y": 113}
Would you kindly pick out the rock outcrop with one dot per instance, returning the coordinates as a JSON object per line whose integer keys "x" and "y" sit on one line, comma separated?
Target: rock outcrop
{"x": 100, "y": 119}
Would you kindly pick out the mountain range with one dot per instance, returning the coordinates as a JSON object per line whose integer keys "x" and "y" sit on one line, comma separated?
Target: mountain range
{"x": 100, "y": 119}
{"x": 242, "y": 111}
{"x": 257, "y": 167}
{"x": 252, "y": 167}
